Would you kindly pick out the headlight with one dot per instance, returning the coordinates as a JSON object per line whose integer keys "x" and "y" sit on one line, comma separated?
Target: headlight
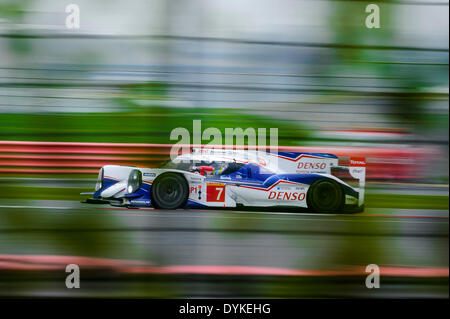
{"x": 134, "y": 181}
{"x": 99, "y": 183}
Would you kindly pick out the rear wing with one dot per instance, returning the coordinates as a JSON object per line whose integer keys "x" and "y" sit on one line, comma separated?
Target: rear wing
{"x": 353, "y": 172}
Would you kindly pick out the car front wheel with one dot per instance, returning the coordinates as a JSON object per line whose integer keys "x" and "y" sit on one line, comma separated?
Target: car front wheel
{"x": 169, "y": 191}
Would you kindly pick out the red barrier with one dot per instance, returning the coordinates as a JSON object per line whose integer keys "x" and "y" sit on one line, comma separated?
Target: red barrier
{"x": 22, "y": 157}
{"x": 59, "y": 263}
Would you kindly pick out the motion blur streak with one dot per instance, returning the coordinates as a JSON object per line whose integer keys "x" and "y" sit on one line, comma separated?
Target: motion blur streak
{"x": 112, "y": 91}
{"x": 223, "y": 253}
{"x": 48, "y": 262}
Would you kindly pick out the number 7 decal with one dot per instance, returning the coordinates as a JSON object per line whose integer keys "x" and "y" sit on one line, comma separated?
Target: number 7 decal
{"x": 215, "y": 192}
{"x": 219, "y": 192}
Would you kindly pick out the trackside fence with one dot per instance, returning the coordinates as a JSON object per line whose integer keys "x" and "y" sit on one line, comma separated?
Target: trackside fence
{"x": 28, "y": 157}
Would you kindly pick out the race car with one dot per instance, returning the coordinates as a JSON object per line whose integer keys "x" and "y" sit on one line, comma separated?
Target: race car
{"x": 209, "y": 177}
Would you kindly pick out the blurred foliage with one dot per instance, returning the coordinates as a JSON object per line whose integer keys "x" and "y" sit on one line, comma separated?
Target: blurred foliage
{"x": 407, "y": 104}
{"x": 406, "y": 201}
{"x": 13, "y": 9}
{"x": 149, "y": 125}
{"x": 65, "y": 234}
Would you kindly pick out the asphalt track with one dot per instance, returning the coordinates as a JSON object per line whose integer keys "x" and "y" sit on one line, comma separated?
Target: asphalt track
{"x": 274, "y": 240}
{"x": 221, "y": 237}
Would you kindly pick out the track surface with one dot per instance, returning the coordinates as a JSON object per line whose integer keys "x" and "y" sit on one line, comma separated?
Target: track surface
{"x": 386, "y": 237}
{"x": 214, "y": 237}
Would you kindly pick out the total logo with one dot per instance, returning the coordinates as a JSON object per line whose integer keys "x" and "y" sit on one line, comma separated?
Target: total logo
{"x": 287, "y": 196}
{"x": 310, "y": 165}
{"x": 358, "y": 162}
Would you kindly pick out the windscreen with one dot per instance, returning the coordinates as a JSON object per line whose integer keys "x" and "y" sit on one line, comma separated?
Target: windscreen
{"x": 216, "y": 167}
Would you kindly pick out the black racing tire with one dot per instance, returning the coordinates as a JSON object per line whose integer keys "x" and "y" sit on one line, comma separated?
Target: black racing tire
{"x": 325, "y": 196}
{"x": 169, "y": 191}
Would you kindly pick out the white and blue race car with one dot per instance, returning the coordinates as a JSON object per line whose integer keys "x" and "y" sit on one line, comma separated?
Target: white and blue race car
{"x": 209, "y": 177}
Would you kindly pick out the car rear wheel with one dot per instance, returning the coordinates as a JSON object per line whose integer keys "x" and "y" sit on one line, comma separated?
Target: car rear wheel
{"x": 169, "y": 191}
{"x": 325, "y": 196}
